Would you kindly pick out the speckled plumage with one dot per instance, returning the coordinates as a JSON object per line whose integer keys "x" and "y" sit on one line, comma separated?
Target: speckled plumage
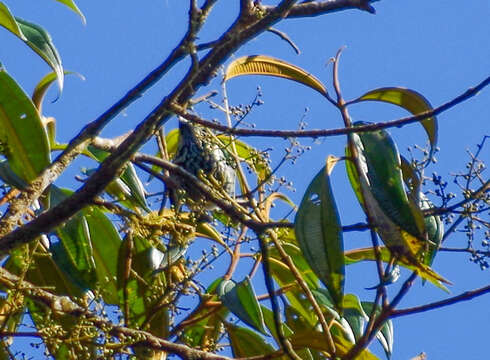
{"x": 196, "y": 151}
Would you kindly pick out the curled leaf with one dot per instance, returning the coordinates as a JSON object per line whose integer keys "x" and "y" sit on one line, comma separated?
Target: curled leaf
{"x": 266, "y": 65}
{"x": 411, "y": 101}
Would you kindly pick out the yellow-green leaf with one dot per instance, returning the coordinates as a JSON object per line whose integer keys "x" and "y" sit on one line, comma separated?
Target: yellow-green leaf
{"x": 411, "y": 101}
{"x": 425, "y": 272}
{"x": 7, "y": 20}
{"x": 266, "y": 65}
{"x": 23, "y": 138}
{"x": 71, "y": 4}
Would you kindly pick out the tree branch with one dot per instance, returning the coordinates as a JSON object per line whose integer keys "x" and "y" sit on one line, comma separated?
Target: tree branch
{"x": 467, "y": 295}
{"x": 333, "y": 132}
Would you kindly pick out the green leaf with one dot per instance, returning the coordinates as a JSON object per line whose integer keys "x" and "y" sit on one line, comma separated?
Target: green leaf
{"x": 266, "y": 65}
{"x": 40, "y": 41}
{"x": 251, "y": 156}
{"x": 382, "y": 170}
{"x": 319, "y": 233}
{"x": 385, "y": 334}
{"x": 128, "y": 188}
{"x": 285, "y": 279}
{"x": 246, "y": 343}
{"x": 7, "y": 20}
{"x": 269, "y": 322}
{"x": 435, "y": 231}
{"x": 22, "y": 135}
{"x": 240, "y": 299}
{"x": 71, "y": 4}
{"x": 411, "y": 101}
{"x": 105, "y": 243}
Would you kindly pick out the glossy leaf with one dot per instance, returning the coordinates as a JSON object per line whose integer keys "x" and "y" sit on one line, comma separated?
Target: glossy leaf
{"x": 385, "y": 334}
{"x": 71, "y": 4}
{"x": 266, "y": 65}
{"x": 7, "y": 20}
{"x": 240, "y": 299}
{"x": 246, "y": 343}
{"x": 411, "y": 101}
{"x": 382, "y": 171}
{"x": 22, "y": 135}
{"x": 40, "y": 41}
{"x": 319, "y": 233}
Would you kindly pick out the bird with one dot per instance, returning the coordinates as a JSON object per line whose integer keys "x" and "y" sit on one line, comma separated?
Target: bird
{"x": 199, "y": 153}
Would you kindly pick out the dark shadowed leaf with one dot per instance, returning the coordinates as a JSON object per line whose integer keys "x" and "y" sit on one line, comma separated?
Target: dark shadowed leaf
{"x": 319, "y": 233}
{"x": 22, "y": 135}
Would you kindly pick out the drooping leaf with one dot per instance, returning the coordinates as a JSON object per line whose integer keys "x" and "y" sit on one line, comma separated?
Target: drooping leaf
{"x": 319, "y": 233}
{"x": 367, "y": 254}
{"x": 399, "y": 222}
{"x": 385, "y": 334}
{"x": 43, "y": 86}
{"x": 40, "y": 41}
{"x": 411, "y": 101}
{"x": 22, "y": 135}
{"x": 382, "y": 169}
{"x": 266, "y": 65}
{"x": 71, "y": 4}
{"x": 246, "y": 343}
{"x": 240, "y": 299}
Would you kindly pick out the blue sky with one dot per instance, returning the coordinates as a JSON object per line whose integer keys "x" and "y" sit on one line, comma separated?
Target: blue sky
{"x": 438, "y": 48}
